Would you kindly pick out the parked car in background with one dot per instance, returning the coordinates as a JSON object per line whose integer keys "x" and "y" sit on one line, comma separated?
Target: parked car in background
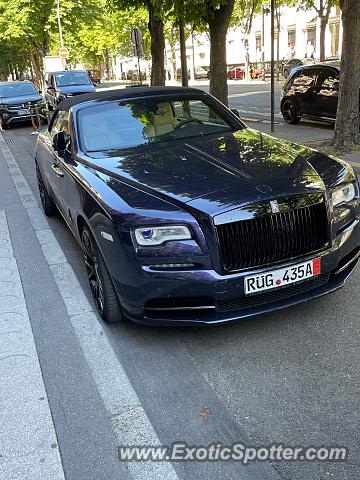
{"x": 186, "y": 216}
{"x": 236, "y": 73}
{"x": 201, "y": 73}
{"x": 296, "y": 62}
{"x": 64, "y": 84}
{"x": 18, "y": 101}
{"x": 94, "y": 75}
{"x": 311, "y": 90}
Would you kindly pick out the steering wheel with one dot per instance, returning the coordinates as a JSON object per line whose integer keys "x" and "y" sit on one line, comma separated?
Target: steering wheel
{"x": 187, "y": 120}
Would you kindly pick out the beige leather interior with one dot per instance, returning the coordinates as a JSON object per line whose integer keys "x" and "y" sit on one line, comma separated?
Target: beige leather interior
{"x": 162, "y": 122}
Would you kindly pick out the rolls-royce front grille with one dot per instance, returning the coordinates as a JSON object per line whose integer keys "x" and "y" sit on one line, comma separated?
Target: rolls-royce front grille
{"x": 272, "y": 238}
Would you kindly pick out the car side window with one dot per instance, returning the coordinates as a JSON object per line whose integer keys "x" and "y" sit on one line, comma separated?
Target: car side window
{"x": 62, "y": 124}
{"x": 329, "y": 80}
{"x": 306, "y": 78}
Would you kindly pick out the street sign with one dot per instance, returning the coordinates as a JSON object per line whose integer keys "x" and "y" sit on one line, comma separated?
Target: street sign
{"x": 136, "y": 36}
{"x": 64, "y": 52}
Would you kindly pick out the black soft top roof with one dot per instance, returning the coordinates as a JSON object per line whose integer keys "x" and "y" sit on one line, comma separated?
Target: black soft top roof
{"x": 121, "y": 93}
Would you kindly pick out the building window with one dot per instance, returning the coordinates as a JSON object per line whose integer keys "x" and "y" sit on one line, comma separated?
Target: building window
{"x": 291, "y": 43}
{"x": 310, "y": 41}
{"x": 335, "y": 37}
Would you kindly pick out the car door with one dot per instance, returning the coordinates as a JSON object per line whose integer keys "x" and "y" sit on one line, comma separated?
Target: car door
{"x": 48, "y": 161}
{"x": 327, "y": 92}
{"x": 303, "y": 88}
{"x": 67, "y": 167}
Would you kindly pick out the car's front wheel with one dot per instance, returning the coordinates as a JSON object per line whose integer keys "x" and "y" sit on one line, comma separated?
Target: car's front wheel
{"x": 99, "y": 279}
{"x": 286, "y": 73}
{"x": 289, "y": 111}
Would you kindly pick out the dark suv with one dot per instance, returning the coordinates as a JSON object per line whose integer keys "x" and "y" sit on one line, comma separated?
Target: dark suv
{"x": 18, "y": 101}
{"x": 66, "y": 84}
{"x": 311, "y": 90}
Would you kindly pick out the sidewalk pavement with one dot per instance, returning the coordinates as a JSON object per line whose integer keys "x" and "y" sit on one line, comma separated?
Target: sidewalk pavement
{"x": 53, "y": 423}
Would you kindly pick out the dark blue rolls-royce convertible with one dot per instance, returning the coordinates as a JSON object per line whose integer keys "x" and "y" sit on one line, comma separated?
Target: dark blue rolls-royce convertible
{"x": 186, "y": 216}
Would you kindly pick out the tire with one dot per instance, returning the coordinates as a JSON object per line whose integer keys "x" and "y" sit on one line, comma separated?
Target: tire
{"x": 100, "y": 282}
{"x": 48, "y": 205}
{"x": 289, "y": 112}
{"x": 5, "y": 126}
{"x": 286, "y": 73}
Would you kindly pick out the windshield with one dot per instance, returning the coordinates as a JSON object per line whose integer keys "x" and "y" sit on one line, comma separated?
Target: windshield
{"x": 72, "y": 78}
{"x": 17, "y": 90}
{"x": 117, "y": 125}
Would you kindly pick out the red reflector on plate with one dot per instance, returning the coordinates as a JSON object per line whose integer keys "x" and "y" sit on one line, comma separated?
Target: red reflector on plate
{"x": 316, "y": 266}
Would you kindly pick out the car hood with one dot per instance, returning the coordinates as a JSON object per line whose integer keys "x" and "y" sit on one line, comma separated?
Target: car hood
{"x": 216, "y": 173}
{"x": 76, "y": 89}
{"x": 20, "y": 99}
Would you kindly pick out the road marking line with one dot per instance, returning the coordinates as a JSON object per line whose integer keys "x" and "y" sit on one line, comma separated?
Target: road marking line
{"x": 126, "y": 414}
{"x": 28, "y": 443}
{"x": 247, "y": 94}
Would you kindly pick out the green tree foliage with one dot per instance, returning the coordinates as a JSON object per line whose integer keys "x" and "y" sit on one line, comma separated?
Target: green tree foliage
{"x": 157, "y": 11}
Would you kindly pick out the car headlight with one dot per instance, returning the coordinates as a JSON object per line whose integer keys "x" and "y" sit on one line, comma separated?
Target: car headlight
{"x": 343, "y": 194}
{"x": 150, "y": 236}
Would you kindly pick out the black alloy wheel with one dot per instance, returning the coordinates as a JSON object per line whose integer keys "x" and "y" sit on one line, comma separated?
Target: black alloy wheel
{"x": 289, "y": 112}
{"x": 101, "y": 286}
{"x": 48, "y": 205}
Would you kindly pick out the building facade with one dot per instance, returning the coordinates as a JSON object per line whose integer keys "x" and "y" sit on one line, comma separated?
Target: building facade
{"x": 299, "y": 37}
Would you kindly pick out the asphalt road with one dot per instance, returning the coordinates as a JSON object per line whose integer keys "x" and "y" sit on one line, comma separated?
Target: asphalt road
{"x": 292, "y": 377}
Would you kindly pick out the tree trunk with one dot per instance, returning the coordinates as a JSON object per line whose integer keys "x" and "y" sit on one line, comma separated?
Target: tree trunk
{"x": 347, "y": 118}
{"x": 218, "y": 25}
{"x": 184, "y": 72}
{"x": 323, "y": 25}
{"x": 173, "y": 62}
{"x": 156, "y": 28}
{"x": 107, "y": 63}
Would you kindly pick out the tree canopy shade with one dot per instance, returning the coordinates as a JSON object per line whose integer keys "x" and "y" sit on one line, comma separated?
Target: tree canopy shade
{"x": 214, "y": 16}
{"x": 347, "y": 119}
{"x": 156, "y": 11}
{"x": 29, "y": 27}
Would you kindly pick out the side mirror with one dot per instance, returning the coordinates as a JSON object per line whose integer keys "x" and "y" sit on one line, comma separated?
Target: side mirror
{"x": 236, "y": 112}
{"x": 59, "y": 142}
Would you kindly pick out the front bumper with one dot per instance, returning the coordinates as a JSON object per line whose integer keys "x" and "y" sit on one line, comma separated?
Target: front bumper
{"x": 179, "y": 297}
{"x": 9, "y": 117}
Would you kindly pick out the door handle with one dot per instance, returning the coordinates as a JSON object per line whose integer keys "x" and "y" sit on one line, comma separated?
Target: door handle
{"x": 57, "y": 170}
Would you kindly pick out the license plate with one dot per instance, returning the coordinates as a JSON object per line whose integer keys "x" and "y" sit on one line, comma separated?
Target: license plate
{"x": 23, "y": 112}
{"x": 282, "y": 277}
